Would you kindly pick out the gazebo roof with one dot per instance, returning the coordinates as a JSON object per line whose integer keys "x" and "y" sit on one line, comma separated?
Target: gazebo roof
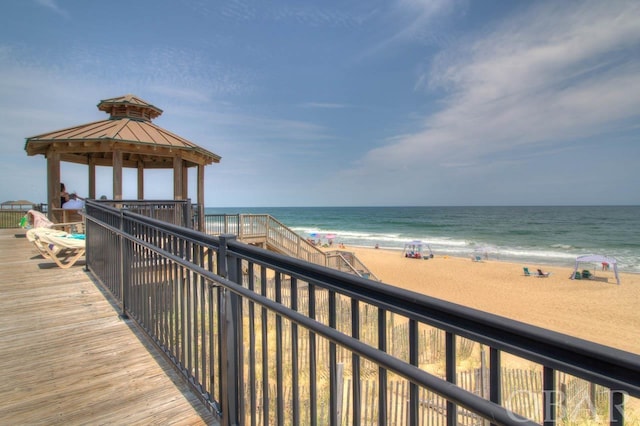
{"x": 129, "y": 130}
{"x": 129, "y": 105}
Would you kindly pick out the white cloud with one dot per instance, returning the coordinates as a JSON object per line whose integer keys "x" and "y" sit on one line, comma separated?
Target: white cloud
{"x": 53, "y": 5}
{"x": 541, "y": 78}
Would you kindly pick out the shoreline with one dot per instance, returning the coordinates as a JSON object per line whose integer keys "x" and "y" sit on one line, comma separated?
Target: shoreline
{"x": 492, "y": 258}
{"x": 598, "y": 309}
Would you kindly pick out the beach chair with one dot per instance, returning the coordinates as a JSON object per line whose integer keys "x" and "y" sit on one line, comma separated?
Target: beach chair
{"x": 526, "y": 272}
{"x": 63, "y": 248}
{"x": 586, "y": 274}
{"x": 476, "y": 259}
{"x": 38, "y": 219}
{"x": 543, "y": 274}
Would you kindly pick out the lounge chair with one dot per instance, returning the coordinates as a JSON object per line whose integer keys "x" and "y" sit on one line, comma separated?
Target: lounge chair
{"x": 537, "y": 274}
{"x": 63, "y": 248}
{"x": 543, "y": 274}
{"x": 38, "y": 219}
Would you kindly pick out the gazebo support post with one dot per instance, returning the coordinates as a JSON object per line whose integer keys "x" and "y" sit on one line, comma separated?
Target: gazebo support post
{"x": 92, "y": 177}
{"x": 140, "y": 180}
{"x": 53, "y": 182}
{"x": 177, "y": 178}
{"x": 201, "y": 197}
{"x": 185, "y": 181}
{"x": 117, "y": 175}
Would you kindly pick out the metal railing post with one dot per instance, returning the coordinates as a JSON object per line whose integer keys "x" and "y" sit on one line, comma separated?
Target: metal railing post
{"x": 450, "y": 367}
{"x": 230, "y": 329}
{"x": 123, "y": 276}
{"x": 549, "y": 396}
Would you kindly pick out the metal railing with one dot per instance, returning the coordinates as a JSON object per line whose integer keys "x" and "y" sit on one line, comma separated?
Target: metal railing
{"x": 274, "y": 235}
{"x": 265, "y": 339}
{"x": 347, "y": 261}
{"x": 264, "y": 228}
{"x": 178, "y": 212}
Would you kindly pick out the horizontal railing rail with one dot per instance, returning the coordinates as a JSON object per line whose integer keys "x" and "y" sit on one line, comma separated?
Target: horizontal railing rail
{"x": 265, "y": 338}
{"x": 178, "y": 212}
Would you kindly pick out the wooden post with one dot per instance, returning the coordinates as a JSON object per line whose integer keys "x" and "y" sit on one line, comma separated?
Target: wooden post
{"x": 117, "y": 175}
{"x": 340, "y": 391}
{"x": 140, "y": 180}
{"x": 185, "y": 180}
{"x": 177, "y": 178}
{"x": 53, "y": 181}
{"x": 201, "y": 197}
{"x": 92, "y": 177}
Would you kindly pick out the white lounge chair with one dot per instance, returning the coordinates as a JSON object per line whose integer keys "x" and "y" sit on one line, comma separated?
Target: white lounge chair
{"x": 38, "y": 219}
{"x": 63, "y": 248}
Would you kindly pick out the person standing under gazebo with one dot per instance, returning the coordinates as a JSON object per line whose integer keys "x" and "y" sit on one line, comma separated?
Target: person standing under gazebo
{"x": 64, "y": 195}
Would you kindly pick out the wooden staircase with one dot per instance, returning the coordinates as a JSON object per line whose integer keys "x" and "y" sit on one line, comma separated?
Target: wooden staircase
{"x": 265, "y": 231}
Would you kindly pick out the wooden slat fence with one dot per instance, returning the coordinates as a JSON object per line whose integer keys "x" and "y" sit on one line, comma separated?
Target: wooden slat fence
{"x": 433, "y": 407}
{"x": 521, "y": 388}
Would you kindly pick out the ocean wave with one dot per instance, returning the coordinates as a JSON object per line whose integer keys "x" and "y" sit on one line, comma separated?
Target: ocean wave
{"x": 392, "y": 240}
{"x": 562, "y": 246}
{"x": 543, "y": 235}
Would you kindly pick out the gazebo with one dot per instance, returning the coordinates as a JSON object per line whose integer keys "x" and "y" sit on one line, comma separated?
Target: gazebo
{"x": 127, "y": 138}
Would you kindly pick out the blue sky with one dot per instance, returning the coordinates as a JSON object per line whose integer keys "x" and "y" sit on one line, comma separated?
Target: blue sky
{"x": 339, "y": 103}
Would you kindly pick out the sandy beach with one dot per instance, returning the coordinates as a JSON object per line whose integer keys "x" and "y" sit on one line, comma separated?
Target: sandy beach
{"x": 598, "y": 310}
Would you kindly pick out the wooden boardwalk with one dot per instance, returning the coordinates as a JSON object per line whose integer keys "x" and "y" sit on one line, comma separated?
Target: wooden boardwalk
{"x": 67, "y": 358}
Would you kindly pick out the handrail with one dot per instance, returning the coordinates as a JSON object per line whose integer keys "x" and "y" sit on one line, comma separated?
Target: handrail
{"x": 178, "y": 212}
{"x": 181, "y": 285}
{"x": 281, "y": 238}
{"x": 277, "y": 235}
{"x": 347, "y": 261}
{"x": 601, "y": 364}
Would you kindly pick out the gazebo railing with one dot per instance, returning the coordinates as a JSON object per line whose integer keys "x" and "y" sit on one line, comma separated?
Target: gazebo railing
{"x": 177, "y": 212}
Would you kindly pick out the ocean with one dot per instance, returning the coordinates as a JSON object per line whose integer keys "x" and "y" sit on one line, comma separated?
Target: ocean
{"x": 532, "y": 235}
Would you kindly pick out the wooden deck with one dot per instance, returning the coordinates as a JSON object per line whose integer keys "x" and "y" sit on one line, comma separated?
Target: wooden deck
{"x": 67, "y": 358}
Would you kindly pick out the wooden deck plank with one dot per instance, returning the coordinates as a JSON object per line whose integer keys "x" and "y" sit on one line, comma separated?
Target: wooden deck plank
{"x": 67, "y": 358}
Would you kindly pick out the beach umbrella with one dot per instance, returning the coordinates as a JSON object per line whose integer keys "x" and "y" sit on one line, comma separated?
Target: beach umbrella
{"x": 330, "y": 236}
{"x": 598, "y": 259}
{"x": 417, "y": 249}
